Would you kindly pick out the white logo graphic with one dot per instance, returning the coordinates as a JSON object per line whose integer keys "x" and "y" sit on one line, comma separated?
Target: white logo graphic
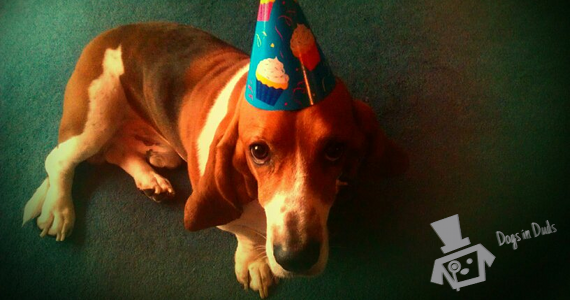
{"x": 462, "y": 268}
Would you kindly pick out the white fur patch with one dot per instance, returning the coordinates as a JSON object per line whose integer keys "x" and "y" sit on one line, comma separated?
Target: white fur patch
{"x": 215, "y": 116}
{"x": 106, "y": 100}
{"x": 113, "y": 62}
{"x": 277, "y": 206}
{"x": 251, "y": 224}
{"x": 291, "y": 199}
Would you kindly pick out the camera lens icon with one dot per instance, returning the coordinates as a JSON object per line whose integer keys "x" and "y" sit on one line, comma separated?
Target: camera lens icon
{"x": 454, "y": 267}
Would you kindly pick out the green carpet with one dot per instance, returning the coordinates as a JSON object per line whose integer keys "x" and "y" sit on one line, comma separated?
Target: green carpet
{"x": 478, "y": 92}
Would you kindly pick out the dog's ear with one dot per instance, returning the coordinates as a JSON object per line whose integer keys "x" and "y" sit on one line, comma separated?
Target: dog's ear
{"x": 216, "y": 200}
{"x": 379, "y": 156}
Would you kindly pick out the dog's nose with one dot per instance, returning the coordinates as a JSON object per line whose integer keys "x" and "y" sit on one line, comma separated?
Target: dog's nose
{"x": 298, "y": 260}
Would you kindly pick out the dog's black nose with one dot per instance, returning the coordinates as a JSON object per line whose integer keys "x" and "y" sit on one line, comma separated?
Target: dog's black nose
{"x": 298, "y": 260}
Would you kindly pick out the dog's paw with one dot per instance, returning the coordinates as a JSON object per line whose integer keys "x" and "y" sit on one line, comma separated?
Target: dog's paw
{"x": 253, "y": 271}
{"x": 57, "y": 217}
{"x": 155, "y": 187}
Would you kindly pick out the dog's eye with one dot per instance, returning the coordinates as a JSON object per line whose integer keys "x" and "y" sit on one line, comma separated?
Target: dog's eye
{"x": 259, "y": 152}
{"x": 334, "y": 152}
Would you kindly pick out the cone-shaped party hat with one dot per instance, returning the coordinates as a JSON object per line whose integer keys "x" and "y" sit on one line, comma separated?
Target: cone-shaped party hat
{"x": 288, "y": 70}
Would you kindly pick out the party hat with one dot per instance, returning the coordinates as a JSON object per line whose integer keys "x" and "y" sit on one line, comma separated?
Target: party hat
{"x": 288, "y": 70}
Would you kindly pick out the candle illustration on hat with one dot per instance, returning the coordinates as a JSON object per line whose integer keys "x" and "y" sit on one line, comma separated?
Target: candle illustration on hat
{"x": 304, "y": 47}
{"x": 462, "y": 268}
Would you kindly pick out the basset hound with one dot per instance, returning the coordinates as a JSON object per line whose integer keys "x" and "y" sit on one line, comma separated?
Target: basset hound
{"x": 157, "y": 94}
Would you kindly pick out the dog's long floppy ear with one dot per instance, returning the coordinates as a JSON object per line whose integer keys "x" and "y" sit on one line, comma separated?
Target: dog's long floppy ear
{"x": 380, "y": 156}
{"x": 215, "y": 201}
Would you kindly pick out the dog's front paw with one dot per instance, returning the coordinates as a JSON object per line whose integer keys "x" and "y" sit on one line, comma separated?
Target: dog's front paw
{"x": 57, "y": 217}
{"x": 155, "y": 187}
{"x": 252, "y": 271}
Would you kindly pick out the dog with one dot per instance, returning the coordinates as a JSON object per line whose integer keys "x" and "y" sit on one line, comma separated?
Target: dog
{"x": 153, "y": 95}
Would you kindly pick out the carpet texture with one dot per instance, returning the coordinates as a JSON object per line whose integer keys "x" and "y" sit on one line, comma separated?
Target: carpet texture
{"x": 477, "y": 92}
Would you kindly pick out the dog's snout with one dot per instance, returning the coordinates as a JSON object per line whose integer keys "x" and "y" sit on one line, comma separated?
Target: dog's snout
{"x": 297, "y": 260}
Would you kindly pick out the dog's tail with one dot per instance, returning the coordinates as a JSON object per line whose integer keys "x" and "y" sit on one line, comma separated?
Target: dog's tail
{"x": 34, "y": 206}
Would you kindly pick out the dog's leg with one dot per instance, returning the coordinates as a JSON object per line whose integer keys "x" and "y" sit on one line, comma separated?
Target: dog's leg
{"x": 251, "y": 264}
{"x": 93, "y": 110}
{"x": 252, "y": 267}
{"x": 147, "y": 180}
{"x": 57, "y": 214}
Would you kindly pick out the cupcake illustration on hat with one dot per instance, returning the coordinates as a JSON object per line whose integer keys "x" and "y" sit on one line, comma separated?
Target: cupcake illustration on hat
{"x": 288, "y": 70}
{"x": 271, "y": 80}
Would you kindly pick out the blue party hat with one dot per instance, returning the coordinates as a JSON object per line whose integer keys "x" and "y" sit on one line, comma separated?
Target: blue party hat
{"x": 288, "y": 70}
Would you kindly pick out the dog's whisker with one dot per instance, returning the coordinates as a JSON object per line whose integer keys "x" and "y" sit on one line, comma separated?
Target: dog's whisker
{"x": 260, "y": 255}
{"x": 261, "y": 248}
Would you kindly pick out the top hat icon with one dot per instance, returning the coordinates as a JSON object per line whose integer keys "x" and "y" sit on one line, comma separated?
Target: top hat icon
{"x": 449, "y": 231}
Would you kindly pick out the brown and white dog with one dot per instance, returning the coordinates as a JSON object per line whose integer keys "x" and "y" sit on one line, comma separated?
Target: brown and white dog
{"x": 152, "y": 95}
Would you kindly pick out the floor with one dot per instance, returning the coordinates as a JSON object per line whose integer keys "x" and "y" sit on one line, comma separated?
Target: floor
{"x": 476, "y": 91}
